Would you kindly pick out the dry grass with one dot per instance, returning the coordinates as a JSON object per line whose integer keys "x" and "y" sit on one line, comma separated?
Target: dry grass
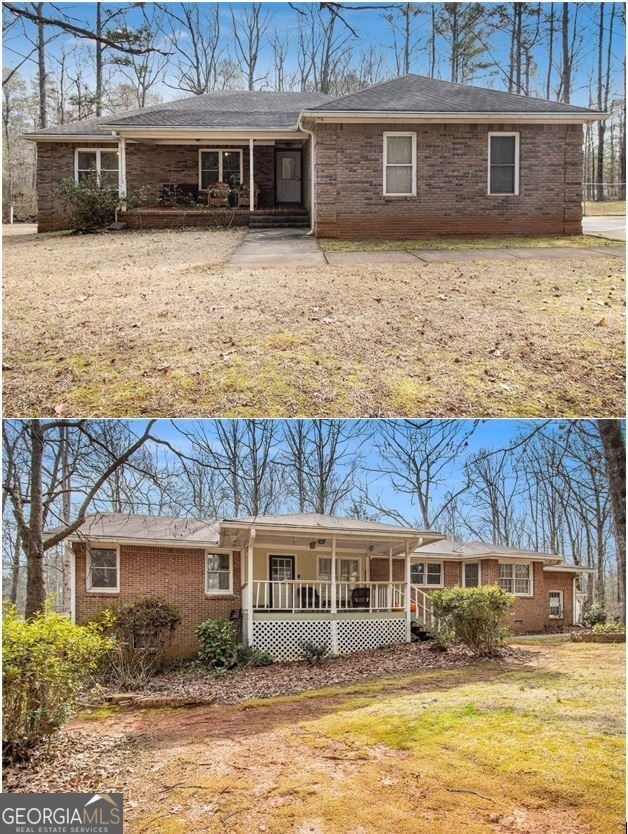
{"x": 506, "y": 242}
{"x": 605, "y": 208}
{"x": 533, "y": 746}
{"x": 154, "y": 323}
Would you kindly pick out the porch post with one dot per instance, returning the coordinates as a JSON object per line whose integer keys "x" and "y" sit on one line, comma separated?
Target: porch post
{"x": 334, "y": 605}
{"x": 122, "y": 171}
{"x": 390, "y": 578}
{"x": 408, "y": 588}
{"x": 251, "y": 178}
{"x": 249, "y": 585}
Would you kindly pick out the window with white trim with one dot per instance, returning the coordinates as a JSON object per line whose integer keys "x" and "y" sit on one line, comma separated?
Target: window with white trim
{"x": 218, "y": 573}
{"x": 503, "y": 163}
{"x": 556, "y": 605}
{"x": 220, "y": 166}
{"x": 426, "y": 573}
{"x": 98, "y": 163}
{"x": 399, "y": 164}
{"x": 471, "y": 574}
{"x": 515, "y": 578}
{"x": 103, "y": 569}
{"x": 347, "y": 570}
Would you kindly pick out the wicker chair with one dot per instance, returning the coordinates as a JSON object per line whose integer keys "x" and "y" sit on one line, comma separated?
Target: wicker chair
{"x": 244, "y": 195}
{"x": 218, "y": 194}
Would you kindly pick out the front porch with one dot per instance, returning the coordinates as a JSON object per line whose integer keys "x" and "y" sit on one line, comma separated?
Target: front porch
{"x": 289, "y": 215}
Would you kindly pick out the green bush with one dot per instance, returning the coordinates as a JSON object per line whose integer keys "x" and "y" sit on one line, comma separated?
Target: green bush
{"x": 313, "y": 653}
{"x": 46, "y": 660}
{"x": 250, "y": 656}
{"x": 141, "y": 630}
{"x": 616, "y": 627}
{"x": 88, "y": 206}
{"x": 594, "y": 615}
{"x": 217, "y": 640}
{"x": 473, "y": 616}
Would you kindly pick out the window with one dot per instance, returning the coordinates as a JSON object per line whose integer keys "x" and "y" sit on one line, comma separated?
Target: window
{"x": 103, "y": 569}
{"x": 101, "y": 163}
{"x": 556, "y": 605}
{"x": 503, "y": 163}
{"x": 399, "y": 164}
{"x": 218, "y": 573}
{"x": 347, "y": 570}
{"x": 515, "y": 578}
{"x": 220, "y": 166}
{"x": 426, "y": 573}
{"x": 471, "y": 576}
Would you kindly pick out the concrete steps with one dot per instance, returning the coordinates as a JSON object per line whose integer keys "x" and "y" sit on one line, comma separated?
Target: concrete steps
{"x": 292, "y": 219}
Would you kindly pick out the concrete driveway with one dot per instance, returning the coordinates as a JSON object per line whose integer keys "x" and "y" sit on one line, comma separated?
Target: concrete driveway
{"x": 611, "y": 227}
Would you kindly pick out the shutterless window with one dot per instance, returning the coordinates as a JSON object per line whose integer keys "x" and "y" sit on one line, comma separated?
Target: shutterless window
{"x": 347, "y": 570}
{"x": 221, "y": 166}
{"x": 515, "y": 578}
{"x": 399, "y": 164}
{"x": 103, "y": 569}
{"x": 471, "y": 575}
{"x": 417, "y": 573}
{"x": 99, "y": 165}
{"x": 556, "y": 604}
{"x": 426, "y": 573}
{"x": 503, "y": 163}
{"x": 218, "y": 573}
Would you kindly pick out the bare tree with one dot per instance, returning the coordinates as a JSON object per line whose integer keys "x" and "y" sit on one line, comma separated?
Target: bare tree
{"x": 614, "y": 446}
{"x": 249, "y": 29}
{"x": 402, "y": 20}
{"x": 193, "y": 33}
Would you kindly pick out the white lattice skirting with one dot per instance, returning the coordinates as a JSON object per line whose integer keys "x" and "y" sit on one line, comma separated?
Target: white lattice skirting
{"x": 283, "y": 638}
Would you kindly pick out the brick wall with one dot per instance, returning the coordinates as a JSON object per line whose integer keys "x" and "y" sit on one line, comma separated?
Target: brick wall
{"x": 176, "y": 574}
{"x": 148, "y": 168}
{"x": 452, "y": 173}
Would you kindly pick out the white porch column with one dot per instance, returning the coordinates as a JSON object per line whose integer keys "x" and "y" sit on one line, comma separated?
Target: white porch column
{"x": 249, "y": 587}
{"x": 390, "y": 578}
{"x": 334, "y": 603}
{"x": 251, "y": 178}
{"x": 408, "y": 589}
{"x": 122, "y": 170}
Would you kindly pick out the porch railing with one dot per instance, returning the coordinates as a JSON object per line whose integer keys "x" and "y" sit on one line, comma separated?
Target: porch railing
{"x": 316, "y": 595}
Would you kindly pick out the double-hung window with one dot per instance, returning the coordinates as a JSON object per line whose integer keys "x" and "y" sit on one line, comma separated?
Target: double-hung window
{"x": 218, "y": 574}
{"x": 347, "y": 570}
{"x": 555, "y": 605}
{"x": 103, "y": 570}
{"x": 503, "y": 163}
{"x": 471, "y": 574}
{"x": 399, "y": 164}
{"x": 98, "y": 164}
{"x": 220, "y": 166}
{"x": 426, "y": 573}
{"x": 515, "y": 578}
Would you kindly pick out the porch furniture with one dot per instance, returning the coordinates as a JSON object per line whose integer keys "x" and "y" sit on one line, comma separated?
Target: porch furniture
{"x": 309, "y": 597}
{"x": 176, "y": 194}
{"x": 361, "y": 598}
{"x": 244, "y": 195}
{"x": 218, "y": 195}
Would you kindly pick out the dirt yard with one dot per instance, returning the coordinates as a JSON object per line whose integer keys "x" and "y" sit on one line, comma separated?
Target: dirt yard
{"x": 533, "y": 745}
{"x": 139, "y": 323}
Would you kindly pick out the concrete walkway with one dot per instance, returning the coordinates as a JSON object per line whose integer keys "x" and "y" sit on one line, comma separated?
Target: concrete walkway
{"x": 612, "y": 227}
{"x": 433, "y": 256}
{"x": 278, "y": 248}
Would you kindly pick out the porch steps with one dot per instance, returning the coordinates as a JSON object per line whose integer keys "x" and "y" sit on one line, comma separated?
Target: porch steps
{"x": 294, "y": 218}
{"x": 419, "y": 634}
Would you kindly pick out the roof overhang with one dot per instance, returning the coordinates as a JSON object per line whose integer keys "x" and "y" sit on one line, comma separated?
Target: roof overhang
{"x": 141, "y": 542}
{"x": 475, "y": 557}
{"x": 176, "y": 134}
{"x": 374, "y": 117}
{"x": 66, "y": 137}
{"x": 567, "y": 569}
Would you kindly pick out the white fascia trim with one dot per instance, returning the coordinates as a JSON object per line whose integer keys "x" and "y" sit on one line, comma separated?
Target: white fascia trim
{"x": 567, "y": 569}
{"x": 488, "y": 118}
{"x": 173, "y": 543}
{"x": 322, "y": 532}
{"x": 73, "y": 138}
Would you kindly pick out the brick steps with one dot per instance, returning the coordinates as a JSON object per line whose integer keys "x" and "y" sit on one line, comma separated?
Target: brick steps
{"x": 295, "y": 219}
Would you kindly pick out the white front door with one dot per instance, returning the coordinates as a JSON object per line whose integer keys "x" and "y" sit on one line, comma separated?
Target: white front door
{"x": 288, "y": 175}
{"x": 281, "y": 576}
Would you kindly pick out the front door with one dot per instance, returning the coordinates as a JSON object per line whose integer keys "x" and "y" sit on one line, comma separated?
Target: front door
{"x": 281, "y": 572}
{"x": 288, "y": 175}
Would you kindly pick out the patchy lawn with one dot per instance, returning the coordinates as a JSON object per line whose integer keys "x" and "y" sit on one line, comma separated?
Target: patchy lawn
{"x": 532, "y": 745}
{"x": 604, "y": 208}
{"x": 140, "y": 323}
{"x": 559, "y": 241}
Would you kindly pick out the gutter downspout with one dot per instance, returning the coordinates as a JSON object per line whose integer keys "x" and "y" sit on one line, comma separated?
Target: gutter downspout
{"x": 310, "y": 133}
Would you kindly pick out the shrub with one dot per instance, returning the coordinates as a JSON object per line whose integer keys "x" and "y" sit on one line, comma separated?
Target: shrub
{"x": 312, "y": 652}
{"x": 217, "y": 639}
{"x": 88, "y": 206}
{"x": 46, "y": 660}
{"x": 473, "y": 616}
{"x": 141, "y": 630}
{"x": 594, "y": 615}
{"x": 615, "y": 627}
{"x": 250, "y": 656}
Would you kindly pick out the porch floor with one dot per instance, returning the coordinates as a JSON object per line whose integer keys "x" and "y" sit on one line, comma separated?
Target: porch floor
{"x": 278, "y": 216}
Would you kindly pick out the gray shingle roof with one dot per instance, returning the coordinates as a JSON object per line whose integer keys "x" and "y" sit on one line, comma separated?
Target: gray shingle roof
{"x": 324, "y": 522}
{"x": 451, "y": 547}
{"x": 419, "y": 94}
{"x": 197, "y": 531}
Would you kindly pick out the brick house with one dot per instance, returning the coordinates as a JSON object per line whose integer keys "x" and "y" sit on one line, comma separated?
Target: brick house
{"x": 350, "y": 583}
{"x": 410, "y": 157}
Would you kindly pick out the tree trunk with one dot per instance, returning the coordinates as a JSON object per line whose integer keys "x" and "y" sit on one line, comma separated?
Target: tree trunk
{"x": 614, "y": 446}
{"x": 41, "y": 69}
{"x": 66, "y": 504}
{"x": 550, "y": 53}
{"x": 566, "y": 68}
{"x": 99, "y": 51}
{"x": 601, "y": 128}
{"x": 35, "y": 585}
{"x": 15, "y": 569}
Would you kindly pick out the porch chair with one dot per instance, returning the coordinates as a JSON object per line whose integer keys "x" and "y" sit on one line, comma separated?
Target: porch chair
{"x": 218, "y": 195}
{"x": 361, "y": 598}
{"x": 244, "y": 195}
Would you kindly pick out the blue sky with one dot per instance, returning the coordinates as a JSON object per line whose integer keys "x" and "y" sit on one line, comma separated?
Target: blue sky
{"x": 371, "y": 29}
